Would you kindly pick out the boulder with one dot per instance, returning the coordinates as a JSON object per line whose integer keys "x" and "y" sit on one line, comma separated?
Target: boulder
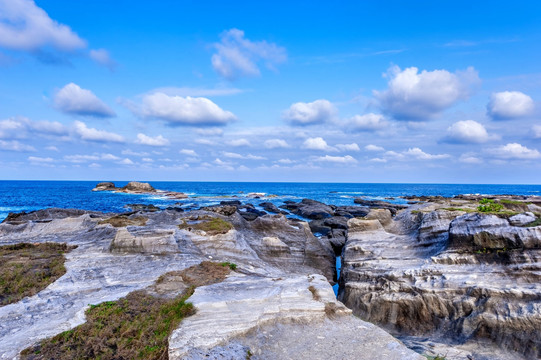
{"x": 230, "y": 202}
{"x": 226, "y": 210}
{"x": 105, "y": 186}
{"x": 354, "y": 211}
{"x": 378, "y": 204}
{"x": 135, "y": 186}
{"x": 270, "y": 207}
{"x": 142, "y": 207}
{"x": 522, "y": 219}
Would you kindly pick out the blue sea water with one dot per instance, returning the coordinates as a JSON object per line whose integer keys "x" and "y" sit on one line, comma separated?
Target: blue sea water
{"x": 17, "y": 196}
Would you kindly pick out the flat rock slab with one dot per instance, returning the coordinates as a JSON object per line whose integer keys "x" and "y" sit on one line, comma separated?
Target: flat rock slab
{"x": 278, "y": 318}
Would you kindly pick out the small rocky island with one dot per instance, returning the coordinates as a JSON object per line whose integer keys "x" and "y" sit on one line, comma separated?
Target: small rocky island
{"x": 457, "y": 278}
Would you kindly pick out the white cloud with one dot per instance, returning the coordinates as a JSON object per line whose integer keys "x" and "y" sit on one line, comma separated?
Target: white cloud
{"x": 36, "y": 159}
{"x": 317, "y": 143}
{"x": 178, "y": 110}
{"x": 15, "y": 145}
{"x": 421, "y": 155}
{"x": 94, "y": 166}
{"x": 134, "y": 153}
{"x": 285, "y": 161}
{"x": 147, "y": 160}
{"x": 21, "y": 127}
{"x": 102, "y": 57}
{"x": 74, "y": 100}
{"x": 348, "y": 147}
{"x": 467, "y": 132}
{"x": 536, "y": 130}
{"x": 151, "y": 141}
{"x": 367, "y": 122}
{"x": 24, "y": 26}
{"x": 337, "y": 159}
{"x": 126, "y": 161}
{"x": 509, "y": 105}
{"x": 378, "y": 160}
{"x": 81, "y": 158}
{"x": 233, "y": 155}
{"x": 469, "y": 158}
{"x": 275, "y": 144}
{"x": 421, "y": 96}
{"x": 317, "y": 112}
{"x": 188, "y": 152}
{"x": 514, "y": 151}
{"x": 371, "y": 147}
{"x": 52, "y": 148}
{"x": 239, "y": 142}
{"x": 205, "y": 142}
{"x": 91, "y": 134}
{"x": 237, "y": 56}
{"x": 197, "y": 91}
{"x": 110, "y": 157}
{"x": 210, "y": 132}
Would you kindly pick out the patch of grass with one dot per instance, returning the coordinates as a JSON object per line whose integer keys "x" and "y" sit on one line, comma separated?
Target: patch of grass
{"x": 134, "y": 327}
{"x": 489, "y": 206}
{"x": 137, "y": 326}
{"x": 232, "y": 266}
{"x": 26, "y": 269}
{"x": 212, "y": 226}
{"x": 458, "y": 209}
{"x": 435, "y": 357}
{"x": 514, "y": 202}
{"x": 536, "y": 222}
{"x": 123, "y": 220}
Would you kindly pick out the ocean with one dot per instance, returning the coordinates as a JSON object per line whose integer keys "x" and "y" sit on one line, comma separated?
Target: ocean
{"x": 17, "y": 196}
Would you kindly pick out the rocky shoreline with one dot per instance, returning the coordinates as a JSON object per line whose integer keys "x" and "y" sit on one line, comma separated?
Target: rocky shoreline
{"x": 457, "y": 277}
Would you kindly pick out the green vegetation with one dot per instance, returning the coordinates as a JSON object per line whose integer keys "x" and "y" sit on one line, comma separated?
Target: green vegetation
{"x": 536, "y": 222}
{"x": 489, "y": 206}
{"x": 459, "y": 209}
{"x": 210, "y": 225}
{"x": 134, "y": 327}
{"x": 26, "y": 269}
{"x": 514, "y": 202}
{"x": 435, "y": 357}
{"x": 232, "y": 266}
{"x": 137, "y": 326}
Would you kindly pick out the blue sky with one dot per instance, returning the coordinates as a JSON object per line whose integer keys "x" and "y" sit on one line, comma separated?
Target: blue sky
{"x": 423, "y": 91}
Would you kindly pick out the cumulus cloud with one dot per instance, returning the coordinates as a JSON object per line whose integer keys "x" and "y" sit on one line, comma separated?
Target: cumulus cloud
{"x": 152, "y": 141}
{"x": 237, "y": 56}
{"x": 316, "y": 143}
{"x": 74, "y": 100}
{"x": 91, "y": 134}
{"x": 210, "y": 132}
{"x": 421, "y": 96}
{"x": 421, "y": 155}
{"x": 39, "y": 160}
{"x": 317, "y": 112}
{"x": 348, "y": 147}
{"x": 21, "y": 128}
{"x": 126, "y": 161}
{"x": 103, "y": 58}
{"x": 514, "y": 151}
{"x": 337, "y": 159}
{"x": 178, "y": 110}
{"x": 508, "y": 105}
{"x": 467, "y": 132}
{"x": 275, "y": 143}
{"x": 367, "y": 122}
{"x": 238, "y": 142}
{"x": 15, "y": 145}
{"x": 374, "y": 148}
{"x": 25, "y": 26}
{"x": 470, "y": 158}
{"x": 233, "y": 155}
{"x": 188, "y": 152}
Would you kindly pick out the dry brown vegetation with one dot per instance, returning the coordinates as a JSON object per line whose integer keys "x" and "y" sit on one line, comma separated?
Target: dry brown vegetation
{"x": 26, "y": 269}
{"x": 123, "y": 220}
{"x": 210, "y": 225}
{"x": 134, "y": 327}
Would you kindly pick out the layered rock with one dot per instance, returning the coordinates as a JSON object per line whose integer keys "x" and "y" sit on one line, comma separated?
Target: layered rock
{"x": 450, "y": 275}
{"x": 136, "y": 187}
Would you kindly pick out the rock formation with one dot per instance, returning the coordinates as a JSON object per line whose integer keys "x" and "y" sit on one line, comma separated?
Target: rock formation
{"x": 459, "y": 278}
